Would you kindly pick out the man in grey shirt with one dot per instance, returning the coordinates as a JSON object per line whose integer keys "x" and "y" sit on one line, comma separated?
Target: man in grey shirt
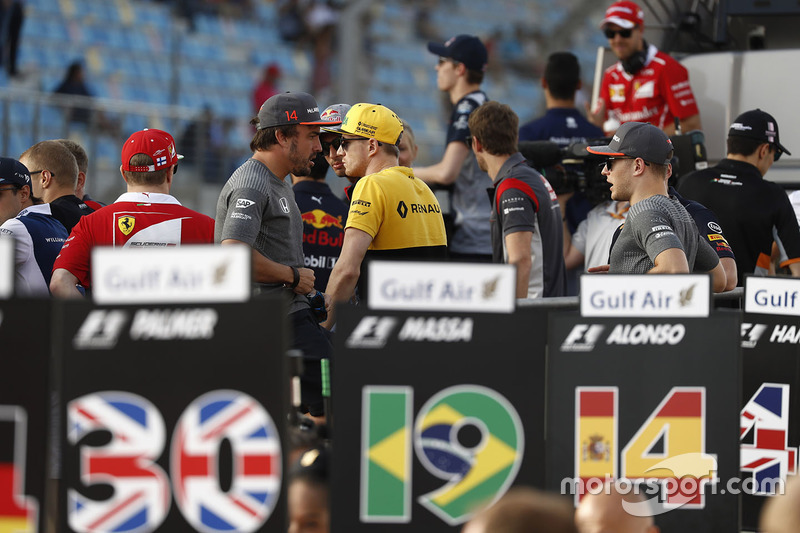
{"x": 659, "y": 235}
{"x": 257, "y": 207}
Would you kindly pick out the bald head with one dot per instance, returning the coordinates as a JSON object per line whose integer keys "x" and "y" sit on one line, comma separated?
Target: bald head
{"x": 525, "y": 510}
{"x": 603, "y": 513}
{"x": 781, "y": 513}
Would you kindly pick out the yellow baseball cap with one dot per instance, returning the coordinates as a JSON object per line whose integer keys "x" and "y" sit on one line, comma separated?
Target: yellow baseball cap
{"x": 373, "y": 121}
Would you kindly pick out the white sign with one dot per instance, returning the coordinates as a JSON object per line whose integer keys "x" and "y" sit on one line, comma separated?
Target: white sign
{"x": 176, "y": 274}
{"x": 642, "y": 295}
{"x": 6, "y": 267}
{"x": 772, "y": 296}
{"x": 481, "y": 287}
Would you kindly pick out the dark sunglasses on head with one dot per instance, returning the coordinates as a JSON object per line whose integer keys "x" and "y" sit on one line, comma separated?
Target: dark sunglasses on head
{"x": 624, "y": 33}
{"x": 336, "y": 142}
{"x": 610, "y": 161}
{"x": 776, "y": 151}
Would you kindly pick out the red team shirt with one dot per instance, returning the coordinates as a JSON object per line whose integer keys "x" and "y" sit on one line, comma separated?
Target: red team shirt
{"x": 657, "y": 94}
{"x": 135, "y": 219}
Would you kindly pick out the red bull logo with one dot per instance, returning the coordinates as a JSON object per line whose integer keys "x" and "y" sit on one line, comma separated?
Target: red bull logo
{"x": 320, "y": 219}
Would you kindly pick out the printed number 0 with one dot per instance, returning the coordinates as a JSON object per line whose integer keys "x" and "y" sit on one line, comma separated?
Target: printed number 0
{"x": 141, "y": 496}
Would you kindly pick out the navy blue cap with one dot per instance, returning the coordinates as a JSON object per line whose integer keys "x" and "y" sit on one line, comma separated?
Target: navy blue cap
{"x": 466, "y": 49}
{"x": 758, "y": 125}
{"x": 12, "y": 172}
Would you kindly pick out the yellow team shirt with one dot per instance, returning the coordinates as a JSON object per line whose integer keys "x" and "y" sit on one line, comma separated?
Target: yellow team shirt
{"x": 398, "y": 210}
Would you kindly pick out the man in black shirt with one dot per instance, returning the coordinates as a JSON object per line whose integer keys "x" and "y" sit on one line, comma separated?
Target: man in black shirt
{"x": 54, "y": 175}
{"x": 749, "y": 207}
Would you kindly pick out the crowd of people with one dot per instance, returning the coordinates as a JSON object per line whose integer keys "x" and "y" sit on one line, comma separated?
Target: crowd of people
{"x": 309, "y": 244}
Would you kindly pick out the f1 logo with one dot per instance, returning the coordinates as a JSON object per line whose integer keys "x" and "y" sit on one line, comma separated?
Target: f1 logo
{"x": 582, "y": 338}
{"x": 100, "y": 330}
{"x": 371, "y": 332}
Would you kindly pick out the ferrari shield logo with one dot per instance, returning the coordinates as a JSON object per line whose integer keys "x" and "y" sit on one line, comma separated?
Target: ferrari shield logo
{"x": 126, "y": 224}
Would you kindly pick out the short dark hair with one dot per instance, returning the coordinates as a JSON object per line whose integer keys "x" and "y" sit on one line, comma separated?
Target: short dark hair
{"x": 563, "y": 75}
{"x": 743, "y": 145}
{"x": 474, "y": 77}
{"x": 265, "y": 138}
{"x": 156, "y": 177}
{"x": 496, "y": 126}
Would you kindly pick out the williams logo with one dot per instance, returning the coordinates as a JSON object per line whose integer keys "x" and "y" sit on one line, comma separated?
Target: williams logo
{"x": 582, "y": 338}
{"x": 125, "y": 224}
{"x": 371, "y": 332}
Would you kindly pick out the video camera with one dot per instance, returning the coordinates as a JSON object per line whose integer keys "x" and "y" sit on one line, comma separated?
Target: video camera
{"x": 574, "y": 169}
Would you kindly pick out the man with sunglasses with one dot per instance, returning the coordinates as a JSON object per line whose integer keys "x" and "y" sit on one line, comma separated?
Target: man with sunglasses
{"x": 38, "y": 236}
{"x": 330, "y": 138}
{"x": 393, "y": 215}
{"x": 54, "y": 177}
{"x": 659, "y": 235}
{"x": 751, "y": 209}
{"x": 645, "y": 85}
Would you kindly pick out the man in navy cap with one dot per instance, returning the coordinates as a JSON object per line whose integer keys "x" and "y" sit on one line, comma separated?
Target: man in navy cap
{"x": 659, "y": 235}
{"x": 459, "y": 73}
{"x": 38, "y": 236}
{"x": 749, "y": 207}
{"x": 257, "y": 207}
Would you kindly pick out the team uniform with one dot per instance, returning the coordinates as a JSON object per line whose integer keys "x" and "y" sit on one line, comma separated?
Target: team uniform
{"x": 324, "y": 216}
{"x": 657, "y": 93}
{"x": 596, "y": 234}
{"x": 38, "y": 238}
{"x": 652, "y": 226}
{"x": 136, "y": 219}
{"x": 259, "y": 209}
{"x": 402, "y": 216}
{"x": 69, "y": 209}
{"x": 523, "y": 200}
{"x": 561, "y": 125}
{"x": 472, "y": 234}
{"x": 752, "y": 211}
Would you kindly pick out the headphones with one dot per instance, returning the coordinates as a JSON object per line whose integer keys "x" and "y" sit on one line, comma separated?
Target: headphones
{"x": 636, "y": 61}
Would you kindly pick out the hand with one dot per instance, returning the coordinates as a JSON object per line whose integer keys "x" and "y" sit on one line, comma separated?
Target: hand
{"x": 596, "y": 116}
{"x": 306, "y": 284}
{"x": 602, "y": 269}
{"x": 328, "y": 302}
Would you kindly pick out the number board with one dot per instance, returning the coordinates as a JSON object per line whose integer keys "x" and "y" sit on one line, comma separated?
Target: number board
{"x": 172, "y": 417}
{"x": 770, "y": 431}
{"x": 435, "y": 414}
{"x": 24, "y": 412}
{"x": 647, "y": 398}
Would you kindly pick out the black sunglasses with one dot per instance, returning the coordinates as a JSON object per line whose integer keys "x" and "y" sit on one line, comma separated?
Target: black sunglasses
{"x": 777, "y": 152}
{"x": 336, "y": 142}
{"x": 610, "y": 161}
{"x": 346, "y": 142}
{"x": 40, "y": 171}
{"x": 624, "y": 33}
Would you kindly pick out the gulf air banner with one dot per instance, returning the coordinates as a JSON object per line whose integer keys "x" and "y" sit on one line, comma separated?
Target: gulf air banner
{"x": 650, "y": 406}
{"x": 24, "y": 413}
{"x": 172, "y": 417}
{"x": 438, "y": 419}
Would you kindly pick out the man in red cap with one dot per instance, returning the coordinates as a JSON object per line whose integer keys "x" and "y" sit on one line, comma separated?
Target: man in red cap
{"x": 146, "y": 215}
{"x": 645, "y": 85}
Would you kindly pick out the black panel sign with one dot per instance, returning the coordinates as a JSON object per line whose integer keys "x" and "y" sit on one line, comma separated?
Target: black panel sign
{"x": 24, "y": 412}
{"x": 172, "y": 417}
{"x": 436, "y": 413}
{"x": 770, "y": 428}
{"x": 648, "y": 399}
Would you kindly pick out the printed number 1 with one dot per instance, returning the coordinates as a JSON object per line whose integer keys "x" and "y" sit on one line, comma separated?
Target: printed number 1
{"x": 18, "y": 513}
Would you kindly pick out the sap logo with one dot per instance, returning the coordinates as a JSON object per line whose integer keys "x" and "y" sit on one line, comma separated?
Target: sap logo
{"x": 751, "y": 333}
{"x": 243, "y": 203}
{"x": 371, "y": 332}
{"x": 647, "y": 334}
{"x": 783, "y": 334}
{"x": 582, "y": 338}
{"x": 443, "y": 329}
{"x": 100, "y": 330}
{"x": 169, "y": 324}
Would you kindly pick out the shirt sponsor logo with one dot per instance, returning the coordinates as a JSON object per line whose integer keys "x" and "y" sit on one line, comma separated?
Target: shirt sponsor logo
{"x": 646, "y": 90}
{"x": 661, "y": 228}
{"x": 425, "y": 208}
{"x": 243, "y": 203}
{"x": 125, "y": 224}
{"x": 284, "y": 204}
{"x": 361, "y": 202}
{"x": 715, "y": 237}
{"x": 616, "y": 93}
{"x": 241, "y": 216}
{"x": 658, "y": 334}
{"x": 320, "y": 219}
{"x": 444, "y": 329}
{"x": 371, "y": 332}
{"x": 582, "y": 338}
{"x": 511, "y": 209}
{"x": 713, "y": 226}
